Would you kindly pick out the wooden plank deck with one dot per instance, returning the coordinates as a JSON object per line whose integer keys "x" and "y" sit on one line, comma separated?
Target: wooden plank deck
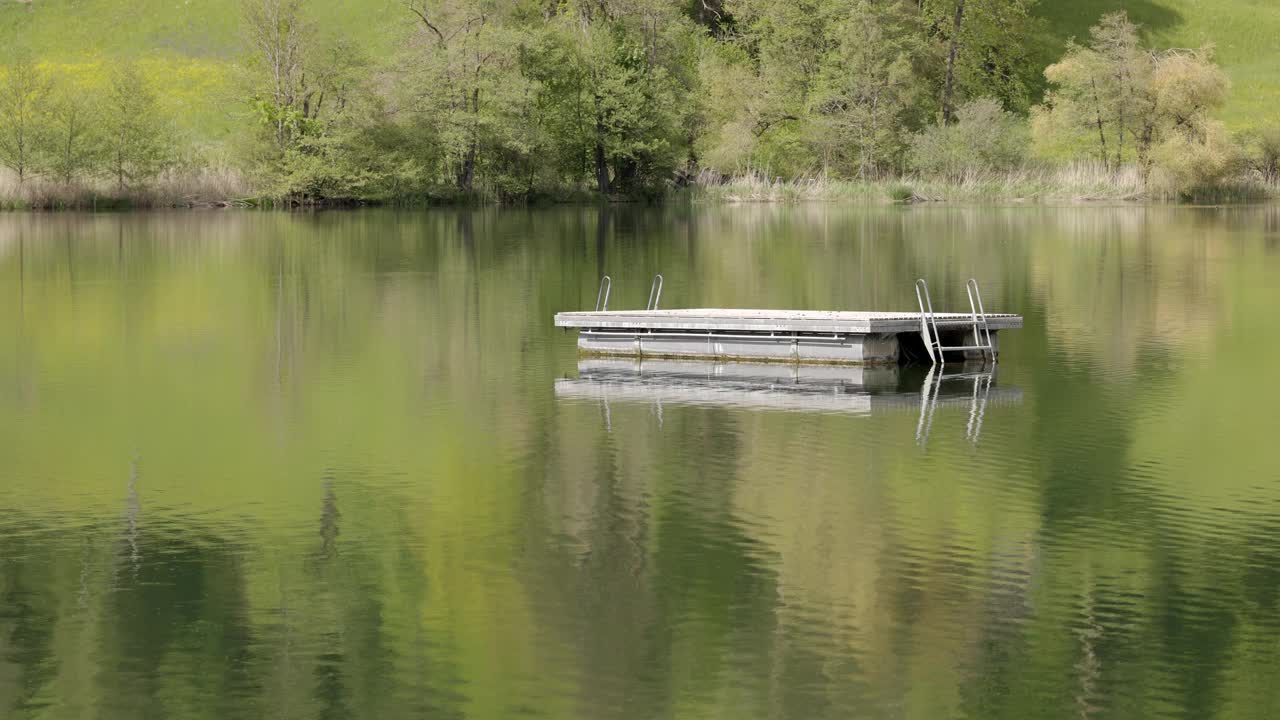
{"x": 838, "y": 322}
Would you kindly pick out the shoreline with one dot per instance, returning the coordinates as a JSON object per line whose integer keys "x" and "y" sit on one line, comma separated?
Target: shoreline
{"x": 1044, "y": 186}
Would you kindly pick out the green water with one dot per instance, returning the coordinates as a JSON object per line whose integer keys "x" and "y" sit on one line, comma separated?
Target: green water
{"x": 342, "y": 465}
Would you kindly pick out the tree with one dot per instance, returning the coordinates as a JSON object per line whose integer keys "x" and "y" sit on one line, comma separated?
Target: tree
{"x": 1264, "y": 158}
{"x": 23, "y": 102}
{"x": 867, "y": 89}
{"x": 315, "y": 114}
{"x": 986, "y": 48}
{"x": 733, "y": 106}
{"x": 816, "y": 83}
{"x": 613, "y": 90}
{"x": 137, "y": 139}
{"x": 636, "y": 99}
{"x": 466, "y": 60}
{"x": 953, "y": 44}
{"x": 1128, "y": 101}
{"x": 277, "y": 39}
{"x": 72, "y": 142}
{"x": 789, "y": 39}
{"x": 1100, "y": 89}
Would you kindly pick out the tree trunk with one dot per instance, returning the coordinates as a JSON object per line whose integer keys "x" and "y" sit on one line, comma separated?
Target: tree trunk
{"x": 1125, "y": 93}
{"x": 67, "y": 159}
{"x": 1144, "y": 150}
{"x": 602, "y": 169}
{"x": 626, "y": 175}
{"x": 21, "y": 155}
{"x": 1102, "y": 136}
{"x": 602, "y": 165}
{"x": 949, "y": 86}
{"x": 467, "y": 174}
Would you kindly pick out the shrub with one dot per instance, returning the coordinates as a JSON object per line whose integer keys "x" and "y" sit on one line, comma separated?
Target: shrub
{"x": 984, "y": 137}
{"x": 1264, "y": 154}
{"x": 1181, "y": 164}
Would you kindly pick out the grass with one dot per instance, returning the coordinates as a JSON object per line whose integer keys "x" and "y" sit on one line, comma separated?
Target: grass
{"x": 135, "y": 29}
{"x": 203, "y": 187}
{"x": 1080, "y": 182}
{"x": 1077, "y": 182}
{"x": 187, "y": 48}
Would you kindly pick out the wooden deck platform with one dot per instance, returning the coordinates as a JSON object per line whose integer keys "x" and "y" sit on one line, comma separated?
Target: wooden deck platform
{"x": 768, "y": 335}
{"x": 777, "y": 321}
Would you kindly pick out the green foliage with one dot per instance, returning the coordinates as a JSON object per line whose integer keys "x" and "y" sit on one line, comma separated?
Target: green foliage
{"x": 486, "y": 98}
{"x": 312, "y": 109}
{"x": 1184, "y": 163}
{"x": 64, "y": 126}
{"x": 826, "y": 84}
{"x": 24, "y": 93}
{"x": 1263, "y": 154}
{"x": 73, "y": 141}
{"x": 522, "y": 99}
{"x": 138, "y": 141}
{"x": 1119, "y": 101}
{"x": 984, "y": 137}
{"x": 994, "y": 48}
{"x": 867, "y": 91}
{"x": 613, "y": 95}
{"x": 901, "y": 193}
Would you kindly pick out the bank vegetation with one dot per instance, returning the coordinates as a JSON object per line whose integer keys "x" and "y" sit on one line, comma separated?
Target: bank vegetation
{"x": 743, "y": 100}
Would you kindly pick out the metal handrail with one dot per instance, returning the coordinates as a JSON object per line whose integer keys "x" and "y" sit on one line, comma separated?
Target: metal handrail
{"x": 655, "y": 293}
{"x": 606, "y": 286}
{"x": 971, "y": 288}
{"x": 927, "y": 318}
{"x": 978, "y": 318}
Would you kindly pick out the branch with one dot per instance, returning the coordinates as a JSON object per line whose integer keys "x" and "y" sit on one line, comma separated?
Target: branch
{"x": 466, "y": 27}
{"x": 423, "y": 16}
{"x": 763, "y": 125}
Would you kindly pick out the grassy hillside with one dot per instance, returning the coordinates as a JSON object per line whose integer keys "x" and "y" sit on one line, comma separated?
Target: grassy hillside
{"x": 1245, "y": 33}
{"x": 188, "y": 45}
{"x": 67, "y": 29}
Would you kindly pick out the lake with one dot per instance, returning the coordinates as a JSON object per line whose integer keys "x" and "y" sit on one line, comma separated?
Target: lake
{"x": 342, "y": 465}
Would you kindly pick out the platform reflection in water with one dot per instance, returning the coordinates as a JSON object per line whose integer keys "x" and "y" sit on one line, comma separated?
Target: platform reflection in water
{"x": 853, "y": 390}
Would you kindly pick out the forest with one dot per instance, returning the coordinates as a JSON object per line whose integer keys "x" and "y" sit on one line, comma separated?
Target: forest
{"x": 561, "y": 100}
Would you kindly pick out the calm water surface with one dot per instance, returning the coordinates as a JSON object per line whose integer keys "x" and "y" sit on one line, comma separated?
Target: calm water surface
{"x": 342, "y": 465}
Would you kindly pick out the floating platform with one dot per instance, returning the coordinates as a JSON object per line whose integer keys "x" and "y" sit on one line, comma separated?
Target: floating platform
{"x": 799, "y": 336}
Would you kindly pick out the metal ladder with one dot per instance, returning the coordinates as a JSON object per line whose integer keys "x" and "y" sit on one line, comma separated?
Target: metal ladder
{"x": 602, "y": 295}
{"x": 929, "y": 324}
{"x": 655, "y": 293}
{"x": 606, "y": 287}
